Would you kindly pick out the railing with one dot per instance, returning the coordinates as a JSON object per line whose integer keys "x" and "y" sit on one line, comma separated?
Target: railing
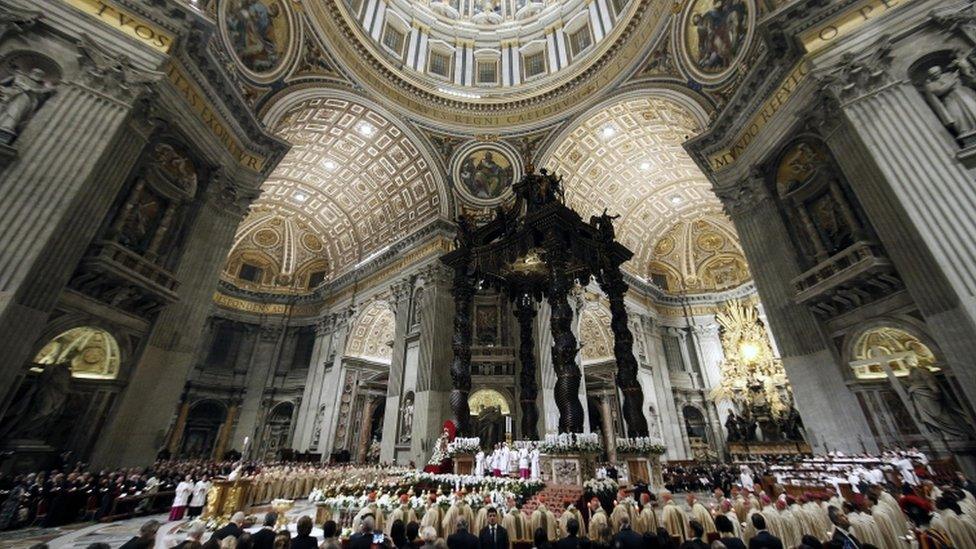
{"x": 850, "y": 262}
{"x": 159, "y": 280}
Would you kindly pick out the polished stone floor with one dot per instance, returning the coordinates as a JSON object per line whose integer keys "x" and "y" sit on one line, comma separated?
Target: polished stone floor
{"x": 79, "y": 536}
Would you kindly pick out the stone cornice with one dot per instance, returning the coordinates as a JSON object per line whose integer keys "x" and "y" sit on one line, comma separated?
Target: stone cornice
{"x": 660, "y": 298}
{"x": 223, "y": 89}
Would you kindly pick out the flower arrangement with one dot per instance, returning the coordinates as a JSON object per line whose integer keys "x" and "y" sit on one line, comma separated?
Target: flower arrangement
{"x": 316, "y": 495}
{"x": 450, "y": 482}
{"x": 601, "y": 487}
{"x": 461, "y": 446}
{"x": 567, "y": 443}
{"x": 640, "y": 445}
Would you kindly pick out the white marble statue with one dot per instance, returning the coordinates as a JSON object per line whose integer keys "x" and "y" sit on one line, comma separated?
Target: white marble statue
{"x": 953, "y": 102}
{"x": 479, "y": 464}
{"x": 21, "y": 94}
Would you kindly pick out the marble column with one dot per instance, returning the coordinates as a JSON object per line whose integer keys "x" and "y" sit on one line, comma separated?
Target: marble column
{"x": 623, "y": 351}
{"x": 463, "y": 291}
{"x": 259, "y": 376}
{"x": 528, "y": 391}
{"x": 920, "y": 201}
{"x": 709, "y": 346}
{"x": 332, "y": 385}
{"x": 400, "y": 295}
{"x": 176, "y": 434}
{"x": 547, "y": 375}
{"x": 661, "y": 379}
{"x": 135, "y": 433}
{"x": 609, "y": 436}
{"x": 564, "y": 347}
{"x": 223, "y": 437}
{"x": 309, "y": 418}
{"x": 362, "y": 446}
{"x": 432, "y": 398}
{"x": 829, "y": 410}
{"x": 73, "y": 158}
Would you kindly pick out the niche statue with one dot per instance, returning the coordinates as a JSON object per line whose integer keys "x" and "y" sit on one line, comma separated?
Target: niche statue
{"x": 949, "y": 93}
{"x": 21, "y": 95}
{"x": 933, "y": 406}
{"x": 41, "y": 406}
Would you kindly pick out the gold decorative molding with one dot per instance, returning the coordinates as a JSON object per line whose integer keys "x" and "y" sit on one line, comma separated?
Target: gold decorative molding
{"x": 722, "y": 159}
{"x": 569, "y": 92}
{"x": 845, "y": 23}
{"x": 199, "y": 105}
{"x": 124, "y": 21}
{"x": 254, "y": 307}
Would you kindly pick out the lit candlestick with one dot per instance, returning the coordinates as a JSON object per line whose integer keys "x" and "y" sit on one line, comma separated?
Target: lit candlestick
{"x": 508, "y": 424}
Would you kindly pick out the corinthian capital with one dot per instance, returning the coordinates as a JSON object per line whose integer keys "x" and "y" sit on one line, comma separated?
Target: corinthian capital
{"x": 857, "y": 76}
{"x": 112, "y": 75}
{"x": 14, "y": 20}
{"x": 436, "y": 273}
{"x": 227, "y": 196}
{"x": 745, "y": 196}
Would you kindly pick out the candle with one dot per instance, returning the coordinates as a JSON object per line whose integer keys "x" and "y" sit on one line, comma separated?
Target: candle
{"x": 508, "y": 424}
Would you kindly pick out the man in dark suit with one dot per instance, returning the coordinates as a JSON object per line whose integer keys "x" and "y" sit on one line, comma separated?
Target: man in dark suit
{"x": 462, "y": 539}
{"x": 572, "y": 540}
{"x": 726, "y": 532}
{"x": 627, "y": 538}
{"x": 494, "y": 535}
{"x": 146, "y": 538}
{"x": 233, "y": 528}
{"x": 304, "y": 539}
{"x": 763, "y": 539}
{"x": 842, "y": 526}
{"x": 695, "y": 541}
{"x": 264, "y": 538}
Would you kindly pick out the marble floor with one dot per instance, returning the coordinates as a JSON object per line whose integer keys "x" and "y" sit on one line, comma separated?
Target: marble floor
{"x": 79, "y": 536}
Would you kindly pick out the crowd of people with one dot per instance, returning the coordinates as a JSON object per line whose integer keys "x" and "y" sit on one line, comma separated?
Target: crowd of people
{"x": 77, "y": 493}
{"x": 925, "y": 516}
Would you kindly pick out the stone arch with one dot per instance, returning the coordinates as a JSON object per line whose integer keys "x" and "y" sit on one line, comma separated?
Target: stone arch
{"x": 694, "y": 103}
{"x": 277, "y": 429}
{"x": 595, "y": 334}
{"x": 371, "y": 334}
{"x": 696, "y": 421}
{"x": 91, "y": 351}
{"x": 608, "y": 154}
{"x": 275, "y": 109}
{"x": 910, "y": 327}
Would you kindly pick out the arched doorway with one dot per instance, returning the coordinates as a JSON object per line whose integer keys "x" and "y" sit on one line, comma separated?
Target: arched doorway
{"x": 489, "y": 413}
{"x": 695, "y": 423}
{"x": 90, "y": 353}
{"x": 277, "y": 430}
{"x": 202, "y": 429}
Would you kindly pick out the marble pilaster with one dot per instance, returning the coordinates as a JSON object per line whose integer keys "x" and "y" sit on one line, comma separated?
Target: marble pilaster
{"x": 401, "y": 293}
{"x": 51, "y": 210}
{"x": 135, "y": 433}
{"x": 919, "y": 198}
{"x": 830, "y": 412}
{"x": 267, "y": 345}
{"x": 432, "y": 397}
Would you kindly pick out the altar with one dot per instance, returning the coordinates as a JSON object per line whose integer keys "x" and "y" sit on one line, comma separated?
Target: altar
{"x": 539, "y": 248}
